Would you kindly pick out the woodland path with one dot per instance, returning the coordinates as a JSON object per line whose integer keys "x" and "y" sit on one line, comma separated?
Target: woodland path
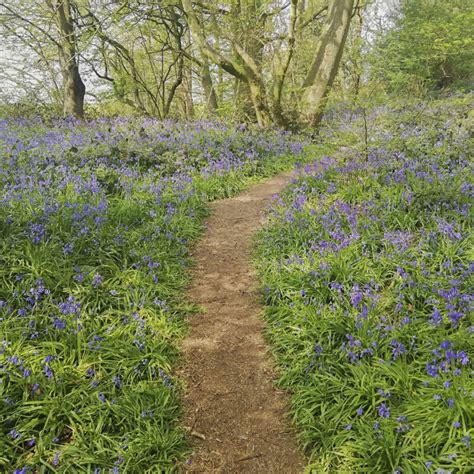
{"x": 238, "y": 419}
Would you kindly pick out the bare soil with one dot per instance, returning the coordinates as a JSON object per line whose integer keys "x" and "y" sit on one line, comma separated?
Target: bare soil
{"x": 236, "y": 417}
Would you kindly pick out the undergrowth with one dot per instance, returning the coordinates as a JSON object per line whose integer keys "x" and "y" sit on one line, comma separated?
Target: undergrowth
{"x": 96, "y": 220}
{"x": 366, "y": 267}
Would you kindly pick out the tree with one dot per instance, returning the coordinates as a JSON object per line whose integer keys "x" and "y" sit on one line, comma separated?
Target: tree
{"x": 143, "y": 52}
{"x": 46, "y": 29}
{"x": 323, "y": 71}
{"x": 244, "y": 58}
{"x": 73, "y": 87}
{"x": 270, "y": 62}
{"x": 430, "y": 46}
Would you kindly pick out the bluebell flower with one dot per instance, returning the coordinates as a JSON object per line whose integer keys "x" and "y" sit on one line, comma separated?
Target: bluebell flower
{"x": 55, "y": 460}
{"x": 97, "y": 280}
{"x": 59, "y": 324}
{"x": 15, "y": 434}
{"x": 383, "y": 410}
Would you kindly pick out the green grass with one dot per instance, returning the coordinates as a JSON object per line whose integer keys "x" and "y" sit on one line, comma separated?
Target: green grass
{"x": 366, "y": 271}
{"x": 93, "y": 268}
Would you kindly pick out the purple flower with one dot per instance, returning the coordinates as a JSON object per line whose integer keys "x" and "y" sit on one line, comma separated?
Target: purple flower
{"x": 383, "y": 393}
{"x": 457, "y": 424}
{"x": 15, "y": 434}
{"x": 449, "y": 230}
{"x": 55, "y": 460}
{"x": 68, "y": 248}
{"x": 397, "y": 349}
{"x": 383, "y": 411}
{"x": 455, "y": 317}
{"x": 48, "y": 372}
{"x": 97, "y": 280}
{"x": 69, "y": 306}
{"x": 90, "y": 372}
{"x": 432, "y": 370}
{"x": 356, "y": 296}
{"x": 37, "y": 233}
{"x": 436, "y": 318}
{"x": 445, "y": 345}
{"x": 59, "y": 324}
{"x": 463, "y": 358}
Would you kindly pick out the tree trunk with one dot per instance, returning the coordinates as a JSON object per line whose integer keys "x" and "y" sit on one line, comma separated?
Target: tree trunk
{"x": 259, "y": 100}
{"x": 323, "y": 71}
{"x": 281, "y": 68}
{"x": 73, "y": 88}
{"x": 187, "y": 92}
{"x": 244, "y": 67}
{"x": 210, "y": 96}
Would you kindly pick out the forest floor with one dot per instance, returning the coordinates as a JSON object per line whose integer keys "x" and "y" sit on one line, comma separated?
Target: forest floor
{"x": 236, "y": 417}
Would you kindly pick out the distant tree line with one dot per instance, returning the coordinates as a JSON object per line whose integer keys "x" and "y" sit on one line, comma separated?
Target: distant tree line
{"x": 269, "y": 62}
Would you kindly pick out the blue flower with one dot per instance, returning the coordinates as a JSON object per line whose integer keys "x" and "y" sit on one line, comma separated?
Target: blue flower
{"x": 48, "y": 372}
{"x": 59, "y": 324}
{"x": 15, "y": 434}
{"x": 397, "y": 349}
{"x": 55, "y": 460}
{"x": 383, "y": 411}
{"x": 432, "y": 369}
{"x": 97, "y": 280}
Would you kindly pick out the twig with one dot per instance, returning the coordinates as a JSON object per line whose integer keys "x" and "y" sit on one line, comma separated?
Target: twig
{"x": 198, "y": 435}
{"x": 247, "y": 458}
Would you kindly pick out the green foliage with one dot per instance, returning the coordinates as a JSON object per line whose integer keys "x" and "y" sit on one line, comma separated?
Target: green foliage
{"x": 366, "y": 268}
{"x": 96, "y": 220}
{"x": 430, "y": 47}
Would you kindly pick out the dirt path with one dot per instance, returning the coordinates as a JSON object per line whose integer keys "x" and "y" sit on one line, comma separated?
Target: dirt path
{"x": 230, "y": 398}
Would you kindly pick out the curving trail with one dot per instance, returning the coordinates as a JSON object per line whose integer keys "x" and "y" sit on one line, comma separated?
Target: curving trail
{"x": 237, "y": 418}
